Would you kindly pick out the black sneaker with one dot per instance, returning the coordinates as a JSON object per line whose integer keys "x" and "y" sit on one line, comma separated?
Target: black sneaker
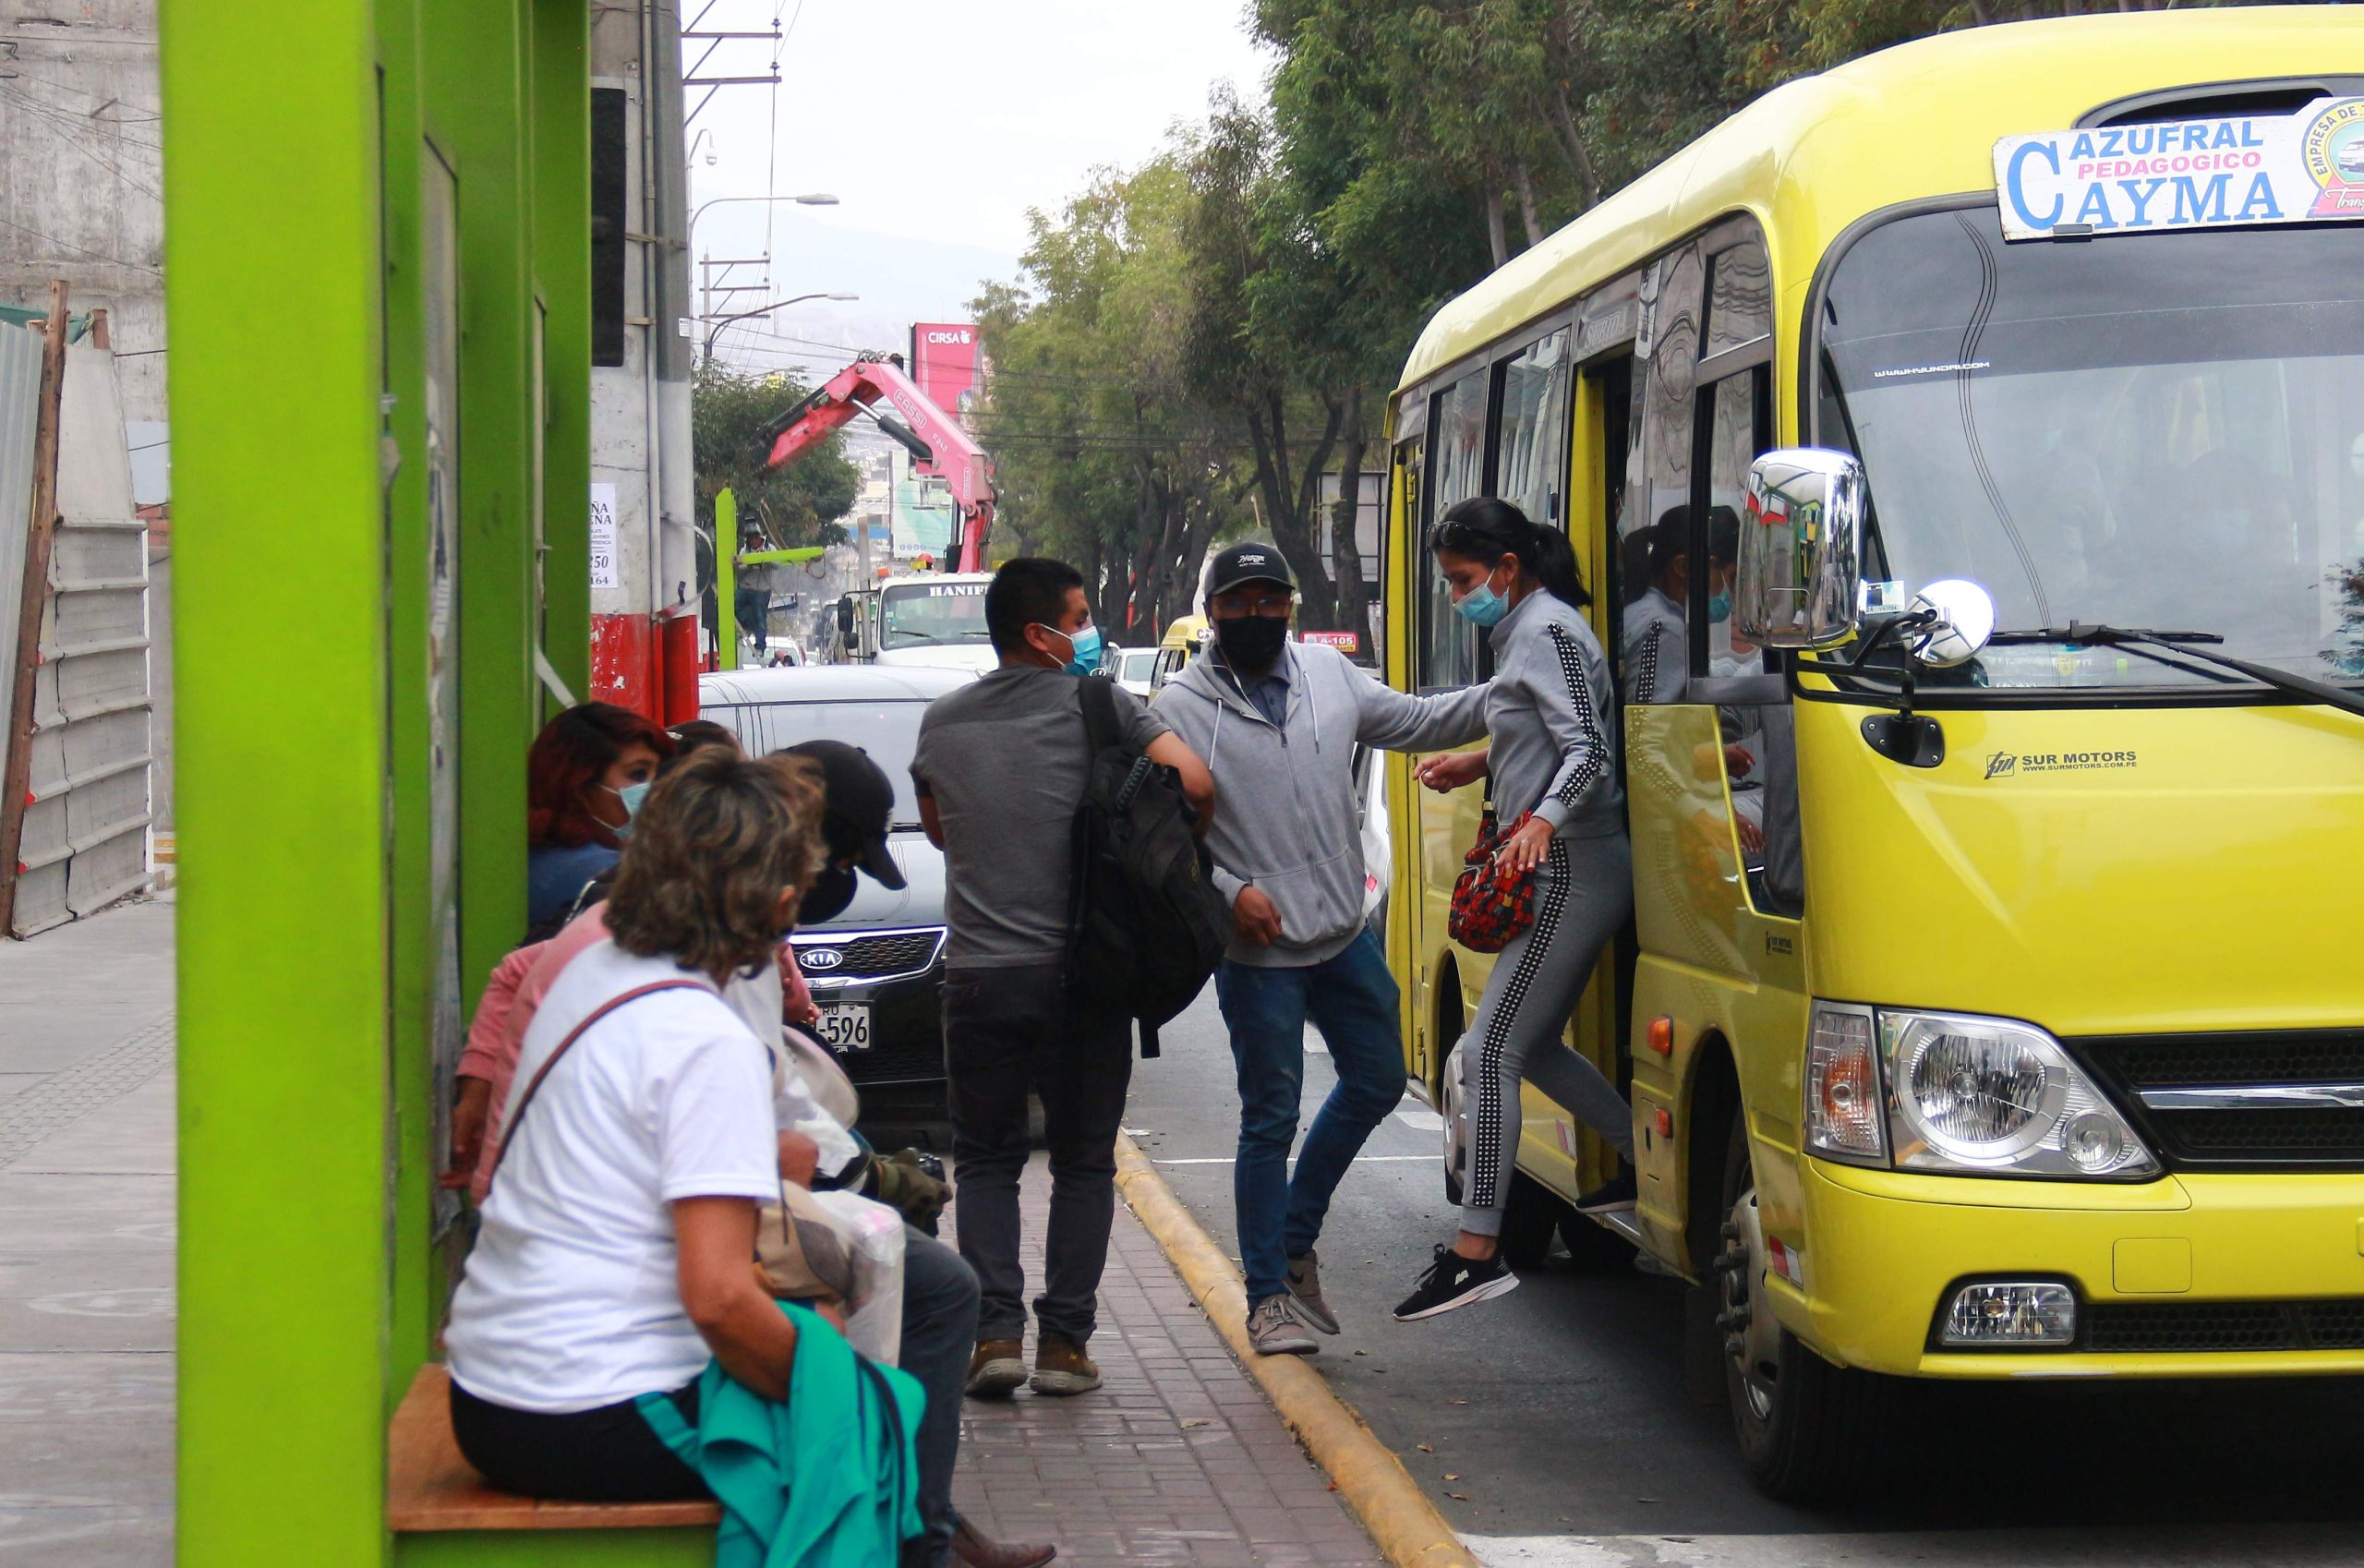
{"x": 1612, "y": 1195}
{"x": 1455, "y": 1281}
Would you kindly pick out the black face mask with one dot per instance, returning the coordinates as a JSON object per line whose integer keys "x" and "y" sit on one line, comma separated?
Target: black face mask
{"x": 1251, "y": 643}
{"x": 831, "y": 891}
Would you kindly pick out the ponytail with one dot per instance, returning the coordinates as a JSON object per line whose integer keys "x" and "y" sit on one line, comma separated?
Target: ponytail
{"x": 1485, "y": 529}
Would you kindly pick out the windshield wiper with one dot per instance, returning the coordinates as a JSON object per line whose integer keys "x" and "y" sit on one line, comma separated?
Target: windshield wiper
{"x": 2181, "y": 646}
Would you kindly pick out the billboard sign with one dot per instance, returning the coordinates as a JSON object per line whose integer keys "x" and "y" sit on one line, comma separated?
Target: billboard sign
{"x": 945, "y": 361}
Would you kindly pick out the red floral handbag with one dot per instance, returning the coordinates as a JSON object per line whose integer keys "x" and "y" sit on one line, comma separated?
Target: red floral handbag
{"x": 1491, "y": 904}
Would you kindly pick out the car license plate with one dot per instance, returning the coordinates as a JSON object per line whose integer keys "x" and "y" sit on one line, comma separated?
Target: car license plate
{"x": 845, "y": 1026}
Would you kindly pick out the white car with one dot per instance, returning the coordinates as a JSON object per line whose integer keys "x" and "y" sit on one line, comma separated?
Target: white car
{"x": 1133, "y": 669}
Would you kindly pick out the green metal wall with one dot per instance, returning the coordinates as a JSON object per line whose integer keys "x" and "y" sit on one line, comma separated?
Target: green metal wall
{"x": 298, "y": 136}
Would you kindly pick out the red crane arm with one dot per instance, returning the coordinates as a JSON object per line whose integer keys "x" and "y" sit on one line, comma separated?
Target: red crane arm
{"x": 855, "y": 389}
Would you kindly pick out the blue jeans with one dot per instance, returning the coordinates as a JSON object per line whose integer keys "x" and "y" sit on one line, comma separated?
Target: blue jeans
{"x": 1352, "y": 999}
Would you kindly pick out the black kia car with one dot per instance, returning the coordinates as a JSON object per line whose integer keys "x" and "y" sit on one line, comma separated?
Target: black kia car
{"x": 876, "y": 970}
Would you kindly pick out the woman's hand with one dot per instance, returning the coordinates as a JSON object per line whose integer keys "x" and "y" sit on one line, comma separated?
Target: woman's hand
{"x": 470, "y": 1109}
{"x": 1449, "y": 770}
{"x": 800, "y": 1158}
{"x": 801, "y": 1008}
{"x": 714, "y": 1239}
{"x": 1525, "y": 849}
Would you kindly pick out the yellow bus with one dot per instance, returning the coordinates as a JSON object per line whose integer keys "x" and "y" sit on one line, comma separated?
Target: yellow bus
{"x": 1180, "y": 644}
{"x": 1993, "y": 1006}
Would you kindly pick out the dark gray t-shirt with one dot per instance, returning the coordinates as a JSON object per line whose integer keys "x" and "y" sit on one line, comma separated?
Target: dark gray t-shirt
{"x": 1004, "y": 759}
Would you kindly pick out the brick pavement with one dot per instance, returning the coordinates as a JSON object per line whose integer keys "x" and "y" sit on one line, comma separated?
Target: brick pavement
{"x": 1177, "y": 1458}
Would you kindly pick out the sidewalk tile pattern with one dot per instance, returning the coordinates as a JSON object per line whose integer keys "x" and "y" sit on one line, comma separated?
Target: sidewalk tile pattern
{"x": 1177, "y": 1458}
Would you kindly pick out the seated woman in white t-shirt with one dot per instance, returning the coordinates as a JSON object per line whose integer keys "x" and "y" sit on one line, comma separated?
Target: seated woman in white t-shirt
{"x": 613, "y": 1257}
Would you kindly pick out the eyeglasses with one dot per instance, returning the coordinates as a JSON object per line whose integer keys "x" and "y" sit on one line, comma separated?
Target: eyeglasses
{"x": 1232, "y": 605}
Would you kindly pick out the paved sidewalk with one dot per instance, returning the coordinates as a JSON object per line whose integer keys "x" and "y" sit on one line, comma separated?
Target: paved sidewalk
{"x": 86, "y": 1243}
{"x": 1177, "y": 1459}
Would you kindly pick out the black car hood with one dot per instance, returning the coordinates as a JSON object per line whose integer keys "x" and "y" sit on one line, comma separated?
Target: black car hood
{"x": 920, "y": 903}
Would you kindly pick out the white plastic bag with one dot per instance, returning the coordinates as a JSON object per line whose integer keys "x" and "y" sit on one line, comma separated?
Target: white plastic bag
{"x": 875, "y": 1234}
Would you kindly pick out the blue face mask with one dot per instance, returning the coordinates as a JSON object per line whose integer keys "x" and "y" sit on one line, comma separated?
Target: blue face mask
{"x": 1083, "y": 648}
{"x": 1481, "y": 606}
{"x": 632, "y": 795}
{"x": 1720, "y": 606}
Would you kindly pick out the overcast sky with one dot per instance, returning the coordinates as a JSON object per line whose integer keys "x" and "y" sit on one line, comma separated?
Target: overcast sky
{"x": 938, "y": 124}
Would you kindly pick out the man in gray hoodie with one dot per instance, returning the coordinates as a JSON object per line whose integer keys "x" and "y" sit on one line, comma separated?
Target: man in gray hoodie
{"x": 1278, "y": 723}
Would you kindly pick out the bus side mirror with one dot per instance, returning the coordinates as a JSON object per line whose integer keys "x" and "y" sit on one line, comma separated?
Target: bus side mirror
{"x": 845, "y": 620}
{"x": 1800, "y": 549}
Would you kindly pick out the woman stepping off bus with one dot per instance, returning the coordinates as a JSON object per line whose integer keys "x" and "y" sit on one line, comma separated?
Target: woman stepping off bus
{"x": 1551, "y": 713}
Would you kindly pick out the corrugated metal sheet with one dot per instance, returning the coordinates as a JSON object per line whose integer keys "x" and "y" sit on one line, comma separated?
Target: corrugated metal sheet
{"x": 19, "y": 410}
{"x": 86, "y": 830}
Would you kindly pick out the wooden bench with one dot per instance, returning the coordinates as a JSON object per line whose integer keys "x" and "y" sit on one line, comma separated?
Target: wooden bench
{"x": 442, "y": 1512}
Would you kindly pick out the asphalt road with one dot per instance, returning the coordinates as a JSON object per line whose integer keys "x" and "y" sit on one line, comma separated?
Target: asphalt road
{"x": 1550, "y": 1425}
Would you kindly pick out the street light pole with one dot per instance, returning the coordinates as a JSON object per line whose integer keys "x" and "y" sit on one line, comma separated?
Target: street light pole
{"x": 810, "y": 198}
{"x": 721, "y": 321}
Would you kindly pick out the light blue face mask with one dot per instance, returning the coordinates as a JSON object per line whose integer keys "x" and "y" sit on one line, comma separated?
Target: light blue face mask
{"x": 1481, "y": 606}
{"x": 632, "y": 795}
{"x": 1083, "y": 648}
{"x": 1720, "y": 606}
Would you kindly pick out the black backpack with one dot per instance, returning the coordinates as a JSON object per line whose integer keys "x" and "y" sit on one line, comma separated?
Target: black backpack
{"x": 1148, "y": 925}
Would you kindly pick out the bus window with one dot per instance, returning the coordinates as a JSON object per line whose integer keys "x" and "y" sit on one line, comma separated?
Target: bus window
{"x": 1665, "y": 455}
{"x": 1737, "y": 416}
{"x": 1448, "y": 645}
{"x": 1654, "y": 523}
{"x": 1532, "y": 461}
{"x": 1739, "y": 298}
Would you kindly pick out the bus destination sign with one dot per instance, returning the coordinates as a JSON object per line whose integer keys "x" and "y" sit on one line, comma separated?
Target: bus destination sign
{"x": 2184, "y": 174}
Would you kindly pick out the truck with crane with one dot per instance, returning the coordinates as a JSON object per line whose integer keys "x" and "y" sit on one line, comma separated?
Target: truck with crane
{"x": 928, "y": 619}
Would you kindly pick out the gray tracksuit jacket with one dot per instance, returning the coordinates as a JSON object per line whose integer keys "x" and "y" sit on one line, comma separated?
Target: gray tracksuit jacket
{"x": 1286, "y": 816}
{"x": 1553, "y": 715}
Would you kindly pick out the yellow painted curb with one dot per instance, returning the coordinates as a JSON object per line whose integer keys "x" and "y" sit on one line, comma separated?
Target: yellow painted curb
{"x": 1383, "y": 1495}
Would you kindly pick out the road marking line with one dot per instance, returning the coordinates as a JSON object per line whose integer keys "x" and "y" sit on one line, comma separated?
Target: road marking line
{"x": 1359, "y": 1159}
{"x": 1421, "y": 1121}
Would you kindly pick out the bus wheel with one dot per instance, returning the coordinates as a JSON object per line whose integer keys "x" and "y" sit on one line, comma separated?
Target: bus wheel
{"x": 1802, "y": 1422}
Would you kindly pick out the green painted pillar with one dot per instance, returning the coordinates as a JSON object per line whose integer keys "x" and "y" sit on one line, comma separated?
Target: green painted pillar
{"x": 381, "y": 399}
{"x": 273, "y": 247}
{"x": 726, "y": 597}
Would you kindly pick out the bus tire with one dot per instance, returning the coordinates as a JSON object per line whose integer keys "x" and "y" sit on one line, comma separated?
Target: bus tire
{"x": 1803, "y": 1424}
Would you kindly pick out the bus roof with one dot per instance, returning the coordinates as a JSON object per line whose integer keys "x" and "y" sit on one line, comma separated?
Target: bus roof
{"x": 1918, "y": 120}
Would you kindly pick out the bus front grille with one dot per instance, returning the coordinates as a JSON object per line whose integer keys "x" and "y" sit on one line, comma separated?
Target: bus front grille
{"x": 2264, "y": 1101}
{"x": 2198, "y": 1327}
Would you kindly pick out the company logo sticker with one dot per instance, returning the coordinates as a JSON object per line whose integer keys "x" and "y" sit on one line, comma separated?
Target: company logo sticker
{"x": 2004, "y": 765}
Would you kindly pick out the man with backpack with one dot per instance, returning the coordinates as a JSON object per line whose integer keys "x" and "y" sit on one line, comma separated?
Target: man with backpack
{"x": 1002, "y": 767}
{"x": 1280, "y": 724}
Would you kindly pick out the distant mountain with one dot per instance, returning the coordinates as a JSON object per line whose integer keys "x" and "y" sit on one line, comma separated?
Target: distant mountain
{"x": 900, "y": 280}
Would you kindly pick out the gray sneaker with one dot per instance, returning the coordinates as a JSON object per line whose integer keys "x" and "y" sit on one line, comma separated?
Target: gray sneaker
{"x": 1274, "y": 1330}
{"x": 1305, "y": 1287}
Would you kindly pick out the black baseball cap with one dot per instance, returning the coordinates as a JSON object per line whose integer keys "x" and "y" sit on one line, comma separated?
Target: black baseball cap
{"x": 858, "y": 803}
{"x": 1236, "y": 564}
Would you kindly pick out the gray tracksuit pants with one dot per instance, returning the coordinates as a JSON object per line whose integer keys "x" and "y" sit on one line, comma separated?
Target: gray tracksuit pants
{"x": 1584, "y": 890}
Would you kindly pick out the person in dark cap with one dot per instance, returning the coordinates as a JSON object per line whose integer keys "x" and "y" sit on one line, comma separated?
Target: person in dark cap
{"x": 1278, "y": 723}
{"x": 858, "y": 806}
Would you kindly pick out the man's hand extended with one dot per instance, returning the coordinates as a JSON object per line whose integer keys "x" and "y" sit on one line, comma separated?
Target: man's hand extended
{"x": 1255, "y": 918}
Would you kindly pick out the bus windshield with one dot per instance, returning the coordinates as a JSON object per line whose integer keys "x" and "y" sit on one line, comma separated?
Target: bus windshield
{"x": 911, "y": 614}
{"x": 2159, "y": 431}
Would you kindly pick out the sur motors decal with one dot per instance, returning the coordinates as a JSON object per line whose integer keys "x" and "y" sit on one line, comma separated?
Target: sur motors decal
{"x": 2184, "y": 174}
{"x": 2011, "y": 765}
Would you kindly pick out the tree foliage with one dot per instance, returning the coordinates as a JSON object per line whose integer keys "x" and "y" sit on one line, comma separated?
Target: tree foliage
{"x": 1217, "y": 330}
{"x": 799, "y": 504}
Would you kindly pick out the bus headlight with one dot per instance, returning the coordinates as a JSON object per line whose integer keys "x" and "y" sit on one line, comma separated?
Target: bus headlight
{"x": 1967, "y": 1094}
